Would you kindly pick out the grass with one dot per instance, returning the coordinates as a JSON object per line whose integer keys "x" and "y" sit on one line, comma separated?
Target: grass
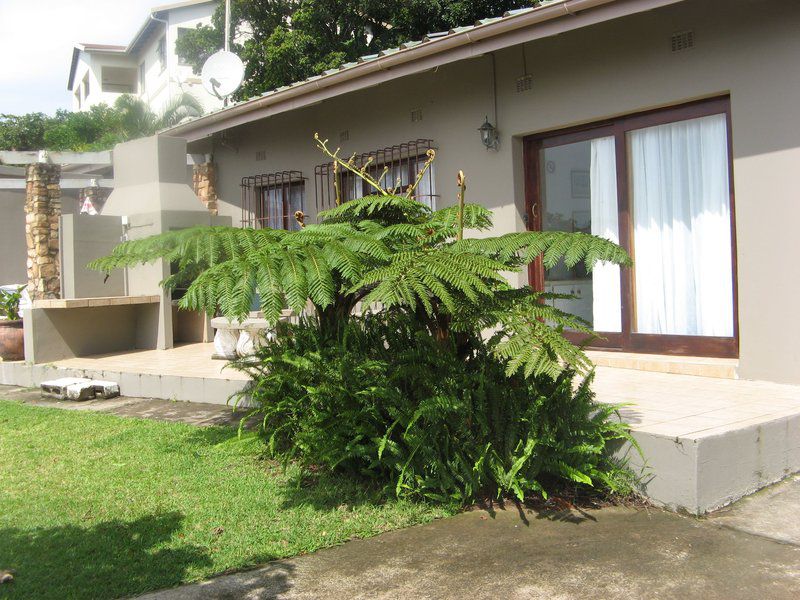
{"x": 97, "y": 506}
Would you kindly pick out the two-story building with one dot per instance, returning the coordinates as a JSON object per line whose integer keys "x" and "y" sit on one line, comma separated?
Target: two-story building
{"x": 147, "y": 67}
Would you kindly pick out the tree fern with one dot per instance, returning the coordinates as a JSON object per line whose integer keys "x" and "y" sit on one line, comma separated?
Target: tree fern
{"x": 390, "y": 252}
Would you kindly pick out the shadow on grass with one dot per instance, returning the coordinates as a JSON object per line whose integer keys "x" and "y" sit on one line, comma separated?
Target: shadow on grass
{"x": 327, "y": 491}
{"x": 109, "y": 560}
{"x": 319, "y": 489}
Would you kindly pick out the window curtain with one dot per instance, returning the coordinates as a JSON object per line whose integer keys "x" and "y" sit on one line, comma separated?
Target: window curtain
{"x": 296, "y": 192}
{"x": 424, "y": 192}
{"x": 606, "y": 305}
{"x": 682, "y": 228}
{"x": 274, "y": 208}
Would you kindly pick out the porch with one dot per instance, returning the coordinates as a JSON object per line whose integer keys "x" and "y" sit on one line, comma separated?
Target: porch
{"x": 708, "y": 438}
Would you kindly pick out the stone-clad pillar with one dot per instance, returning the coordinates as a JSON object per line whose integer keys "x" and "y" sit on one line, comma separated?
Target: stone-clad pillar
{"x": 205, "y": 185}
{"x": 42, "y": 213}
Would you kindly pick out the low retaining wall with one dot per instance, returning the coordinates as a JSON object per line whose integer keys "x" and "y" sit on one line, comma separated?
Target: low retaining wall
{"x": 699, "y": 474}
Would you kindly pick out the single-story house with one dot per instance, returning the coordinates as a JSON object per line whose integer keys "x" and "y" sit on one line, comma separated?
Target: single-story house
{"x": 670, "y": 126}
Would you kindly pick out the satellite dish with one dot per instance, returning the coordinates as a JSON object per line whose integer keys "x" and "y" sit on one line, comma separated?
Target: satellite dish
{"x": 222, "y": 74}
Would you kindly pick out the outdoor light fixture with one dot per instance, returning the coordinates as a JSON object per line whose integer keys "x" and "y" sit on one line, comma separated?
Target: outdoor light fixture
{"x": 488, "y": 134}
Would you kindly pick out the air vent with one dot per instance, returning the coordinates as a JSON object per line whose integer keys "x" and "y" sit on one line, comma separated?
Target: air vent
{"x": 416, "y": 115}
{"x": 344, "y": 135}
{"x": 261, "y": 155}
{"x": 682, "y": 40}
{"x": 524, "y": 83}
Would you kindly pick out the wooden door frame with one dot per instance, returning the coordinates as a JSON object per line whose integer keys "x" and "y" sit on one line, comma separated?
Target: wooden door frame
{"x": 628, "y": 340}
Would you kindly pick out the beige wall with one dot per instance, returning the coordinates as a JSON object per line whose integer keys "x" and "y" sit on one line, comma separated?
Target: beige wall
{"x": 747, "y": 48}
{"x": 13, "y": 250}
{"x": 85, "y": 238}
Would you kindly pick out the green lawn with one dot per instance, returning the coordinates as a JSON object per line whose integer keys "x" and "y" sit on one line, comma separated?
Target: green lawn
{"x": 97, "y": 506}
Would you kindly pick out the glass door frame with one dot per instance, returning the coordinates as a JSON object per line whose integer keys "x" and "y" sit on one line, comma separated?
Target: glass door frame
{"x": 628, "y": 340}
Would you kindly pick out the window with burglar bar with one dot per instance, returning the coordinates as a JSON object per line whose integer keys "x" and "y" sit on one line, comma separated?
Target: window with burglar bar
{"x": 271, "y": 200}
{"x": 402, "y": 164}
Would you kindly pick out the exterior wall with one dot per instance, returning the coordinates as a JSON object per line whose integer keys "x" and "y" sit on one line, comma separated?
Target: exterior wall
{"x": 743, "y": 48}
{"x": 182, "y": 76}
{"x": 85, "y": 238}
{"x": 13, "y": 247}
{"x": 157, "y": 84}
{"x": 12, "y": 238}
{"x": 93, "y": 63}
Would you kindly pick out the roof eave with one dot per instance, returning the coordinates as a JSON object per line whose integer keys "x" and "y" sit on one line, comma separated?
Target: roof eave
{"x": 76, "y": 52}
{"x": 460, "y": 44}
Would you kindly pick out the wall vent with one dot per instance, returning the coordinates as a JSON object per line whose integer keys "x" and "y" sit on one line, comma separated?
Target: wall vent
{"x": 261, "y": 155}
{"x": 416, "y": 115}
{"x": 344, "y": 135}
{"x": 682, "y": 40}
{"x": 524, "y": 83}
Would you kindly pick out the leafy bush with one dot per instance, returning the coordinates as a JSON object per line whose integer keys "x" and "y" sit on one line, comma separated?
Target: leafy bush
{"x": 391, "y": 404}
{"x": 415, "y": 394}
{"x": 9, "y": 304}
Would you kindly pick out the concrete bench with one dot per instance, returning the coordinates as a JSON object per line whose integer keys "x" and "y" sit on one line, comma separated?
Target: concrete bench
{"x": 57, "y": 329}
{"x": 234, "y": 338}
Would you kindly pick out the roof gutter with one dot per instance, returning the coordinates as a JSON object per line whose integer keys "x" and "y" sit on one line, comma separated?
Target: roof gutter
{"x": 235, "y": 115}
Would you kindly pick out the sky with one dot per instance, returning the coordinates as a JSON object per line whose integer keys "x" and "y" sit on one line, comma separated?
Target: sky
{"x": 36, "y": 41}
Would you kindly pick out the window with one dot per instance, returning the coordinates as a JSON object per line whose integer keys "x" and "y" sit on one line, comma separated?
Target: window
{"x": 658, "y": 183}
{"x": 271, "y": 200}
{"x": 181, "y": 32}
{"x": 396, "y": 166}
{"x": 118, "y": 80}
{"x": 161, "y": 54}
{"x": 141, "y": 77}
{"x": 86, "y": 86}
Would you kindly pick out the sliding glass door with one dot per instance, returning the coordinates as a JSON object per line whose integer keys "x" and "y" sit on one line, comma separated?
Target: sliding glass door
{"x": 579, "y": 194}
{"x": 658, "y": 184}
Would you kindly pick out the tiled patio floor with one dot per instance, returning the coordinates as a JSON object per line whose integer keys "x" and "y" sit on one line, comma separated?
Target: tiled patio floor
{"x": 690, "y": 406}
{"x": 667, "y": 404}
{"x": 189, "y": 360}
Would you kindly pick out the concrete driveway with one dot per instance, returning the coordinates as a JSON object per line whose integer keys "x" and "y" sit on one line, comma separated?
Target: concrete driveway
{"x": 751, "y": 550}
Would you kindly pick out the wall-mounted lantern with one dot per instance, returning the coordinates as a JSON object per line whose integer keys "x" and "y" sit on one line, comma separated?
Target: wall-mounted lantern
{"x": 489, "y": 136}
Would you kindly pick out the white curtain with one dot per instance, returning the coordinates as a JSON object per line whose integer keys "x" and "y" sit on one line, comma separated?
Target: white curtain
{"x": 682, "y": 228}
{"x": 425, "y": 191}
{"x": 605, "y": 276}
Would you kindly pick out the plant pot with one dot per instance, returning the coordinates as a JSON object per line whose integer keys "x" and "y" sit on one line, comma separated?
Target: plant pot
{"x": 12, "y": 340}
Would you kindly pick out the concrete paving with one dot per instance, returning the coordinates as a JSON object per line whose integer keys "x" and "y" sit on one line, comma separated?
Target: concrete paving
{"x": 193, "y": 413}
{"x": 608, "y": 553}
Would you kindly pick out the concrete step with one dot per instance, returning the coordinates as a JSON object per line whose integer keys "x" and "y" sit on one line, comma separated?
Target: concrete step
{"x": 721, "y": 368}
{"x": 210, "y": 390}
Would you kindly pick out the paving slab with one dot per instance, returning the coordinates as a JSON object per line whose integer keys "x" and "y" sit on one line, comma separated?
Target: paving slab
{"x": 771, "y": 512}
{"x": 609, "y": 553}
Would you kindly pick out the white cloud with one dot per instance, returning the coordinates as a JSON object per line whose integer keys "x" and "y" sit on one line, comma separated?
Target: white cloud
{"x": 36, "y": 40}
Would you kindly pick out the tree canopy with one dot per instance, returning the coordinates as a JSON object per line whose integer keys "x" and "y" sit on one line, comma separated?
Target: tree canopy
{"x": 98, "y": 128}
{"x": 282, "y": 41}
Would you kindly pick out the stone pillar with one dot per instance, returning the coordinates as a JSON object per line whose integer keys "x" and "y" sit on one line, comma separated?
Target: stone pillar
{"x": 204, "y": 184}
{"x": 42, "y": 213}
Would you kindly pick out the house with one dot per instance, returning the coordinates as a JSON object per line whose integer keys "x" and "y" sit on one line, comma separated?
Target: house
{"x": 667, "y": 125}
{"x": 147, "y": 67}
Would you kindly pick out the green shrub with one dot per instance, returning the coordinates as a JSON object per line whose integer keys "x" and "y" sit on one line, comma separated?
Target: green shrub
{"x": 391, "y": 404}
{"x": 413, "y": 396}
{"x": 9, "y": 304}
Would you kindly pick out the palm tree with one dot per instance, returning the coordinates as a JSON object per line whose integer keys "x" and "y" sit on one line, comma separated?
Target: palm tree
{"x": 136, "y": 119}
